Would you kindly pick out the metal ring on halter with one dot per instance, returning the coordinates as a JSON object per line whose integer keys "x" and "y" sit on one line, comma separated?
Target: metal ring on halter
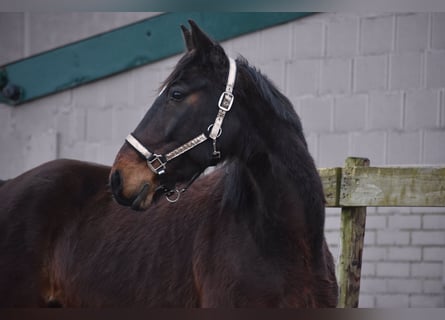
{"x": 178, "y": 195}
{"x": 210, "y": 129}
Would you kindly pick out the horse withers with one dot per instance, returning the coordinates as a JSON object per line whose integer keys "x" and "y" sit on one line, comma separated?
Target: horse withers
{"x": 248, "y": 234}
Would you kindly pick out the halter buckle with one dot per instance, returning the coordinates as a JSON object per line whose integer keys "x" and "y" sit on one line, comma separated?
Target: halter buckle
{"x": 225, "y": 101}
{"x": 157, "y": 164}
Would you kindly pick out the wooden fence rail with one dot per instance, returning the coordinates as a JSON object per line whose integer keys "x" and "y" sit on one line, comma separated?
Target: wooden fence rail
{"x": 357, "y": 186}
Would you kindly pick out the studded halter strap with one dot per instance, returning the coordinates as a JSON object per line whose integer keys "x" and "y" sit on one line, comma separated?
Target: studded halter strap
{"x": 158, "y": 162}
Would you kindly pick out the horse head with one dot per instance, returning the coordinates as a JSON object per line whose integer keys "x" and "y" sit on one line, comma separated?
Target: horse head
{"x": 182, "y": 133}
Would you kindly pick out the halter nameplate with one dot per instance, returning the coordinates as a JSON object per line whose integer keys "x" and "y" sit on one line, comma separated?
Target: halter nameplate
{"x": 157, "y": 163}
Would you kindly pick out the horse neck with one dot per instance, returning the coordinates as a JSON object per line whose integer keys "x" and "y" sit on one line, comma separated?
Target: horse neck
{"x": 286, "y": 179}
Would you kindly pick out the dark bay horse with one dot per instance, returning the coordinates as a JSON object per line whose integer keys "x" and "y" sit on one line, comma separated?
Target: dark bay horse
{"x": 248, "y": 234}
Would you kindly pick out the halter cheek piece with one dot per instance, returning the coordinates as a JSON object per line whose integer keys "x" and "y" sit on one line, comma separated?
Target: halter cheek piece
{"x": 158, "y": 162}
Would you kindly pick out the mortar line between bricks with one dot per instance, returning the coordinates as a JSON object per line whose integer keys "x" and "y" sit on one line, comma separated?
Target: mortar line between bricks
{"x": 320, "y": 74}
{"x": 387, "y": 71}
{"x": 422, "y": 78}
{"x": 394, "y": 33}
{"x": 357, "y": 35}
{"x": 353, "y": 75}
{"x": 367, "y": 113}
{"x": 430, "y": 32}
{"x": 422, "y": 152}
{"x": 419, "y": 157}
{"x": 441, "y": 113}
{"x": 403, "y": 113}
{"x": 325, "y": 41}
{"x": 26, "y": 35}
{"x": 360, "y": 38}
{"x": 331, "y": 114}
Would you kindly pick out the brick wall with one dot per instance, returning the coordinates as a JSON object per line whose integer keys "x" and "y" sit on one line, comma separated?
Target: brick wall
{"x": 370, "y": 85}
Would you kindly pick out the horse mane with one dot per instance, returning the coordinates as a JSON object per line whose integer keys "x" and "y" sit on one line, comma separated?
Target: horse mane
{"x": 266, "y": 90}
{"x": 289, "y": 158}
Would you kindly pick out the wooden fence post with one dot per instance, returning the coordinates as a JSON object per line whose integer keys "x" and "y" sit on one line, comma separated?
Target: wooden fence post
{"x": 353, "y": 220}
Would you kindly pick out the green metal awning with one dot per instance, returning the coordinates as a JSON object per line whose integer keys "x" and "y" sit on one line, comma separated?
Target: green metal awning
{"x": 122, "y": 49}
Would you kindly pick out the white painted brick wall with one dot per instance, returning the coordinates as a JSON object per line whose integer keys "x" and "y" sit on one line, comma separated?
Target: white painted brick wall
{"x": 412, "y": 32}
{"x": 369, "y": 85}
{"x": 405, "y": 222}
{"x": 50, "y": 30}
{"x": 307, "y": 39}
{"x": 407, "y": 253}
{"x": 433, "y": 253}
{"x": 434, "y": 146}
{"x": 426, "y": 269}
{"x": 385, "y": 110}
{"x": 371, "y": 145}
{"x": 404, "y": 285}
{"x": 442, "y": 109}
{"x": 393, "y": 269}
{"x": 428, "y": 237}
{"x": 405, "y": 70}
{"x": 274, "y": 44}
{"x": 350, "y": 113}
{"x": 370, "y": 73}
{"x": 425, "y": 117}
{"x": 375, "y": 253}
{"x": 434, "y": 222}
{"x": 403, "y": 147}
{"x": 276, "y": 72}
{"x": 438, "y": 25}
{"x": 392, "y": 301}
{"x": 342, "y": 37}
{"x": 12, "y": 25}
{"x": 336, "y": 76}
{"x": 376, "y": 35}
{"x": 303, "y": 77}
{"x": 316, "y": 114}
{"x": 426, "y": 301}
{"x": 435, "y": 69}
{"x": 392, "y": 237}
{"x": 40, "y": 148}
{"x": 332, "y": 147}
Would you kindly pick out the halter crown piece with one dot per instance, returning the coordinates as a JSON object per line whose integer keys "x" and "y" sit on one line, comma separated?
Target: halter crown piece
{"x": 157, "y": 162}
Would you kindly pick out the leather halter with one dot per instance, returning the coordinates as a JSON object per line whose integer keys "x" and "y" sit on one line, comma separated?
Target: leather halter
{"x": 158, "y": 162}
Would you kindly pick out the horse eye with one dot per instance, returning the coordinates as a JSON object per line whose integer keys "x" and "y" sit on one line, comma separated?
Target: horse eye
{"x": 177, "y": 95}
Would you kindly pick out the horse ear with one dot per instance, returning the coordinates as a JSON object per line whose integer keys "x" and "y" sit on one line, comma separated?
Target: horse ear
{"x": 206, "y": 46}
{"x": 200, "y": 40}
{"x": 187, "y": 38}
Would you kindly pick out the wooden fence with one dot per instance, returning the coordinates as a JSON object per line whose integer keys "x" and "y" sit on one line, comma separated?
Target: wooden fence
{"x": 357, "y": 186}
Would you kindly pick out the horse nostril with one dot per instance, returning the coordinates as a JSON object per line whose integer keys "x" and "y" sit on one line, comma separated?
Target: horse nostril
{"x": 117, "y": 187}
{"x": 116, "y": 182}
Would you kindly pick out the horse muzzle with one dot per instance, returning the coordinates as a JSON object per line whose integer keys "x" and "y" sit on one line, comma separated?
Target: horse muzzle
{"x": 138, "y": 196}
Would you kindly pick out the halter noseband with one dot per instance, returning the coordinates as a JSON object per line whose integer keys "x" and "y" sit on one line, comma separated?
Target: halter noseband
{"x": 158, "y": 162}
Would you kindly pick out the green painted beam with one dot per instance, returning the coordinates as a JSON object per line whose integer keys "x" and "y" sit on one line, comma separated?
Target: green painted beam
{"x": 122, "y": 49}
